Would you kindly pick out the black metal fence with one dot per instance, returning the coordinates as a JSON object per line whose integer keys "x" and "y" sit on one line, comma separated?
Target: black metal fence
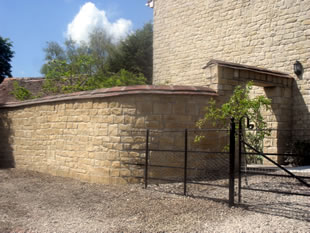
{"x": 272, "y": 185}
{"x": 216, "y": 167}
{"x": 273, "y": 176}
{"x": 176, "y": 163}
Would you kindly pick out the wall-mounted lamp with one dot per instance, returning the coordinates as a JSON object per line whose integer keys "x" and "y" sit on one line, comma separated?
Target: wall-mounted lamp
{"x": 298, "y": 68}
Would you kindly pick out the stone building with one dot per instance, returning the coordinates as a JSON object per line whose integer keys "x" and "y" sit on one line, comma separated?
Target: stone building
{"x": 237, "y": 41}
{"x": 202, "y": 50}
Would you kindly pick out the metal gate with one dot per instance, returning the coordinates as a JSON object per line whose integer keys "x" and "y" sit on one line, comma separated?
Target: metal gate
{"x": 270, "y": 187}
{"x": 176, "y": 163}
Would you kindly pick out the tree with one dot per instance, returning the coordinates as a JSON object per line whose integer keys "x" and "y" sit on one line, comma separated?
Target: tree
{"x": 135, "y": 53}
{"x": 6, "y": 55}
{"x": 84, "y": 66}
{"x": 101, "y": 48}
{"x": 66, "y": 69}
{"x": 240, "y": 105}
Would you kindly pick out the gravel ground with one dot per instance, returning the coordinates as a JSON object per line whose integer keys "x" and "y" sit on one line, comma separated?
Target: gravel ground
{"x": 35, "y": 202}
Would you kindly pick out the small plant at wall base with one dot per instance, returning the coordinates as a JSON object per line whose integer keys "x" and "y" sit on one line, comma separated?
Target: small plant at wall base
{"x": 238, "y": 106}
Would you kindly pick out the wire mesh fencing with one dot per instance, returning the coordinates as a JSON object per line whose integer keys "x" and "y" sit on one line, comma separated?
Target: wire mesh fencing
{"x": 179, "y": 163}
{"x": 175, "y": 161}
{"x": 275, "y": 179}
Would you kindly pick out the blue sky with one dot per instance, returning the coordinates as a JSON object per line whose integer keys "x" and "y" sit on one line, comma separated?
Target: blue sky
{"x": 29, "y": 24}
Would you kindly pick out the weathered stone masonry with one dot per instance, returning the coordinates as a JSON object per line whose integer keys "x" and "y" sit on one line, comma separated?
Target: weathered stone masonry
{"x": 87, "y": 136}
{"x": 270, "y": 34}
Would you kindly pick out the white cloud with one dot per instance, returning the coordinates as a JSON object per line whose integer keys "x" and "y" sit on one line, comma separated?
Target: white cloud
{"x": 90, "y": 17}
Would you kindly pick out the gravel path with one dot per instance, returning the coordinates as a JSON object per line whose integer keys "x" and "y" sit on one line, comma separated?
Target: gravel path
{"x": 34, "y": 202}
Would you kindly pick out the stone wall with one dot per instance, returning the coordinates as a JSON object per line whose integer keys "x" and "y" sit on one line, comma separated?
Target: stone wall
{"x": 271, "y": 34}
{"x": 91, "y": 136}
{"x": 268, "y": 33}
{"x": 225, "y": 76}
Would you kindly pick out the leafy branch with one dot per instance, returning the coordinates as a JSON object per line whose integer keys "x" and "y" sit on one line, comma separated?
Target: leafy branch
{"x": 239, "y": 105}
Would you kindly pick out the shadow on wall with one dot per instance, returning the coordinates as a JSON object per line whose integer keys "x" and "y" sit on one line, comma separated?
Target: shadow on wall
{"x": 301, "y": 114}
{"x": 292, "y": 116}
{"x": 280, "y": 120}
{"x": 6, "y": 150}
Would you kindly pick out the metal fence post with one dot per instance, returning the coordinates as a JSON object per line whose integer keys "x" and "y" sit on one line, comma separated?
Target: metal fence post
{"x": 239, "y": 160}
{"x": 146, "y": 158}
{"x": 185, "y": 161}
{"x": 232, "y": 162}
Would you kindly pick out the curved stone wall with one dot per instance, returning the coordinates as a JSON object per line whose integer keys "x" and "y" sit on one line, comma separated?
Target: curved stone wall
{"x": 89, "y": 135}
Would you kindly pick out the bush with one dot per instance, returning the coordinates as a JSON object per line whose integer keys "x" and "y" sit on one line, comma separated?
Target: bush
{"x": 63, "y": 84}
{"x": 21, "y": 93}
{"x": 239, "y": 106}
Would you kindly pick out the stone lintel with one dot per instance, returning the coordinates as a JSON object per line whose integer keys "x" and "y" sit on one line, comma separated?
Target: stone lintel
{"x": 244, "y": 73}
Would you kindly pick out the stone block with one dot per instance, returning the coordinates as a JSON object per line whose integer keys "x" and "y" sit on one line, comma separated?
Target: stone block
{"x": 100, "y": 104}
{"x": 116, "y": 111}
{"x": 113, "y": 155}
{"x": 106, "y": 164}
{"x": 99, "y": 155}
{"x": 125, "y": 172}
{"x": 113, "y": 104}
{"x": 138, "y": 173}
{"x": 118, "y": 181}
{"x": 115, "y": 173}
{"x": 116, "y": 164}
{"x": 127, "y": 139}
{"x": 140, "y": 122}
{"x": 118, "y": 119}
{"x": 153, "y": 125}
{"x": 125, "y": 127}
{"x": 115, "y": 139}
{"x": 96, "y": 141}
{"x": 113, "y": 130}
{"x": 106, "y": 119}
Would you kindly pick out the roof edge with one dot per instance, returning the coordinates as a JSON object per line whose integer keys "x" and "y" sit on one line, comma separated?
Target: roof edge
{"x": 247, "y": 67}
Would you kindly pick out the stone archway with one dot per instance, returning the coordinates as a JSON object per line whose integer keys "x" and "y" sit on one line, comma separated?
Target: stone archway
{"x": 224, "y": 76}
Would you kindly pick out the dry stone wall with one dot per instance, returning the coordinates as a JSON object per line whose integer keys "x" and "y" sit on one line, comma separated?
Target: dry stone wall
{"x": 92, "y": 138}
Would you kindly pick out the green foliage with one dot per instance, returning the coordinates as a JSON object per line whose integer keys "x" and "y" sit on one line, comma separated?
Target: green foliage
{"x": 84, "y": 83}
{"x": 135, "y": 53}
{"x": 240, "y": 105}
{"x": 79, "y": 67}
{"x": 124, "y": 78}
{"x": 6, "y": 55}
{"x": 100, "y": 48}
{"x": 21, "y": 93}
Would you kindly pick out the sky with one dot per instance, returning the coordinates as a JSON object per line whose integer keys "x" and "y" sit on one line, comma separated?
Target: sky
{"x": 30, "y": 24}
